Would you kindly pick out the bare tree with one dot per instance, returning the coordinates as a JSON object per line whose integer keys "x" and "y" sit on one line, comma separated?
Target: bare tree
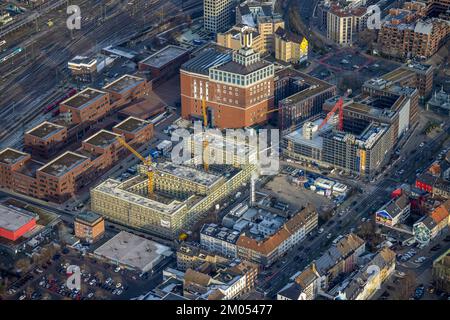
{"x": 100, "y": 276}
{"x": 406, "y": 286}
{"x": 22, "y": 264}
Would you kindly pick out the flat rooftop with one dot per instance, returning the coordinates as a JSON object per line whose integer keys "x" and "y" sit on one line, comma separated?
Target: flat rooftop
{"x": 367, "y": 138}
{"x": 84, "y": 98}
{"x": 316, "y": 142}
{"x": 118, "y": 189}
{"x": 397, "y": 74}
{"x": 164, "y": 56}
{"x": 63, "y": 164}
{"x": 132, "y": 124}
{"x": 11, "y": 156}
{"x": 88, "y": 216}
{"x": 183, "y": 172}
{"x": 220, "y": 232}
{"x": 45, "y": 130}
{"x": 124, "y": 83}
{"x": 30, "y": 168}
{"x": 312, "y": 86}
{"x": 82, "y": 61}
{"x": 133, "y": 251}
{"x": 234, "y": 67}
{"x": 103, "y": 138}
{"x": 11, "y": 219}
{"x": 206, "y": 59}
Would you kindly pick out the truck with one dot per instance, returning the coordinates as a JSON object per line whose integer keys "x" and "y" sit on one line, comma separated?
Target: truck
{"x": 154, "y": 153}
{"x": 164, "y": 147}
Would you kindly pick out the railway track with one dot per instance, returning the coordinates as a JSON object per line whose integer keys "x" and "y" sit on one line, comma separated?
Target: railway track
{"x": 54, "y": 56}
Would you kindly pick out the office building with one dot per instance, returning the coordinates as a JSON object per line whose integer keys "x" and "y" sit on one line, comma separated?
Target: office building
{"x": 238, "y": 88}
{"x": 217, "y": 15}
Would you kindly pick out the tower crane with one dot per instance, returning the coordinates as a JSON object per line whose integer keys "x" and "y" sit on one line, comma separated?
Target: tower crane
{"x": 339, "y": 106}
{"x": 146, "y": 162}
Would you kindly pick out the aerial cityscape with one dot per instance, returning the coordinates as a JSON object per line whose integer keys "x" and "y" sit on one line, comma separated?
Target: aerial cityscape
{"x": 225, "y": 150}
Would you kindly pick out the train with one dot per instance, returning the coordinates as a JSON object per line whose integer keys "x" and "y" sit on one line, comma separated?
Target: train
{"x": 7, "y": 56}
{"x": 56, "y": 103}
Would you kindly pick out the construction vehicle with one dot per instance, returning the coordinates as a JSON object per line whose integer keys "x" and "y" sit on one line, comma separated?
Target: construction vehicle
{"x": 339, "y": 106}
{"x": 205, "y": 140}
{"x": 147, "y": 162}
{"x": 183, "y": 236}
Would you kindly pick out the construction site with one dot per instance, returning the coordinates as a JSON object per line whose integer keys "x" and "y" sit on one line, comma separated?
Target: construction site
{"x": 328, "y": 142}
{"x": 179, "y": 196}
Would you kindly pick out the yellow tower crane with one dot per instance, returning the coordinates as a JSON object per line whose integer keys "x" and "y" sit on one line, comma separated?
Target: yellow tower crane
{"x": 205, "y": 141}
{"x": 146, "y": 162}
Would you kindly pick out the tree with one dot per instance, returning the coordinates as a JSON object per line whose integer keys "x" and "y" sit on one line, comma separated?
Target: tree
{"x": 29, "y": 291}
{"x": 367, "y": 38}
{"x": 406, "y": 286}
{"x": 352, "y": 81}
{"x": 46, "y": 296}
{"x": 100, "y": 276}
{"x": 22, "y": 264}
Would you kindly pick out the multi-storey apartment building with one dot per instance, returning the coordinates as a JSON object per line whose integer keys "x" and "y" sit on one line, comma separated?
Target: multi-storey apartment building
{"x": 344, "y": 23}
{"x": 182, "y": 196}
{"x": 258, "y": 18}
{"x": 91, "y": 104}
{"x": 220, "y": 240}
{"x": 45, "y": 140}
{"x": 89, "y": 226}
{"x": 441, "y": 272}
{"x": 290, "y": 48}
{"x": 266, "y": 251}
{"x": 409, "y": 32}
{"x": 363, "y": 286}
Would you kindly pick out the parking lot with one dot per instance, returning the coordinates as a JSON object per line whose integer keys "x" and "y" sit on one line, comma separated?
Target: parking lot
{"x": 99, "y": 280}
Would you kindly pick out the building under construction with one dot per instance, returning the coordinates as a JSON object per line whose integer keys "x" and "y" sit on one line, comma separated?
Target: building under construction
{"x": 360, "y": 152}
{"x": 182, "y": 195}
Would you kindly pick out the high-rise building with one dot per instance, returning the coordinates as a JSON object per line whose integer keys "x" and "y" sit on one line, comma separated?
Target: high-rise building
{"x": 344, "y": 23}
{"x": 218, "y": 15}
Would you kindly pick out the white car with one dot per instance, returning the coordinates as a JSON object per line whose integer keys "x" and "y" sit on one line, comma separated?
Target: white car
{"x": 329, "y": 236}
{"x": 117, "y": 269}
{"x": 119, "y": 292}
{"x": 90, "y": 295}
{"x": 320, "y": 230}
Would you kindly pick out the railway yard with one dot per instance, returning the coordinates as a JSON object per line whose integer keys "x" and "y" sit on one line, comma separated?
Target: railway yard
{"x": 38, "y": 74}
